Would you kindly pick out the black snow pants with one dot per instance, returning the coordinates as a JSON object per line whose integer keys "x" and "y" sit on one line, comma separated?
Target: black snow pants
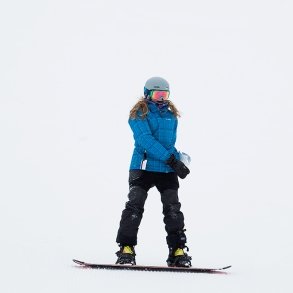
{"x": 140, "y": 182}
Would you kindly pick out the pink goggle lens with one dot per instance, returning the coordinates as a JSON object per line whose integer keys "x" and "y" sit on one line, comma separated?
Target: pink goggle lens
{"x": 159, "y": 95}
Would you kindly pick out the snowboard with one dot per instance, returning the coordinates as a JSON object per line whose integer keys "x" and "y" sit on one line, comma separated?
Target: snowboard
{"x": 151, "y": 268}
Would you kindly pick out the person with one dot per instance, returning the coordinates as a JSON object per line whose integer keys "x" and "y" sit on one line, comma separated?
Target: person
{"x": 155, "y": 162}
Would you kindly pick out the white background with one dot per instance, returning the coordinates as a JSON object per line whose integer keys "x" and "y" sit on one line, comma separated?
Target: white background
{"x": 69, "y": 73}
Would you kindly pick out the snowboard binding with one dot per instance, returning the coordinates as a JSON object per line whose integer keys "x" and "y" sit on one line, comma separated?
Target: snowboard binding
{"x": 178, "y": 258}
{"x": 126, "y": 256}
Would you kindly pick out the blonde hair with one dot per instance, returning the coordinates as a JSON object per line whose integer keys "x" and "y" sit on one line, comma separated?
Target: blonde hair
{"x": 142, "y": 106}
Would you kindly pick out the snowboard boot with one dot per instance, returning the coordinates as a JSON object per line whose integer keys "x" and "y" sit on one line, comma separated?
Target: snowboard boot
{"x": 178, "y": 258}
{"x": 126, "y": 255}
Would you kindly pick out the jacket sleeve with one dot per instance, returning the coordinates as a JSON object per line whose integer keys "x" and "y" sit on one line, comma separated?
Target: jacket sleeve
{"x": 144, "y": 138}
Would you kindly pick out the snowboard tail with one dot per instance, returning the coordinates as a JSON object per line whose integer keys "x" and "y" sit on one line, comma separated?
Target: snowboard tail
{"x": 151, "y": 268}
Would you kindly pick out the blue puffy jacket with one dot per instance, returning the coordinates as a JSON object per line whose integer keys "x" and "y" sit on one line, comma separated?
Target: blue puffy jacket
{"x": 155, "y": 138}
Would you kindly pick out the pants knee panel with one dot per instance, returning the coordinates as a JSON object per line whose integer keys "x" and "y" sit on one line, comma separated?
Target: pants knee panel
{"x": 137, "y": 197}
{"x": 170, "y": 196}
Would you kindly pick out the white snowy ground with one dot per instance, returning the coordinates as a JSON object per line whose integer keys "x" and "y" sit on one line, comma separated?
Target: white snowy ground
{"x": 69, "y": 73}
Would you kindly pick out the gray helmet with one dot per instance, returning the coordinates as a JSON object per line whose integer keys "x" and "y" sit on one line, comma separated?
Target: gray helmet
{"x": 156, "y": 83}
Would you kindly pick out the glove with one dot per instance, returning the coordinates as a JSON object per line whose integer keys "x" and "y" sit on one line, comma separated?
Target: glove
{"x": 179, "y": 167}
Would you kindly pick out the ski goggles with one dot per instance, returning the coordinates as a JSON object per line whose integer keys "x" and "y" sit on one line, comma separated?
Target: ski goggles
{"x": 159, "y": 95}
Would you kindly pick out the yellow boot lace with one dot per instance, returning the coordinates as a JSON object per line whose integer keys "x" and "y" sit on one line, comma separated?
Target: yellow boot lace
{"x": 127, "y": 249}
{"x": 178, "y": 252}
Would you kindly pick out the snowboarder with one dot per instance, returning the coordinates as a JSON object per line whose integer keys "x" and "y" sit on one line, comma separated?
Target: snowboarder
{"x": 155, "y": 162}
